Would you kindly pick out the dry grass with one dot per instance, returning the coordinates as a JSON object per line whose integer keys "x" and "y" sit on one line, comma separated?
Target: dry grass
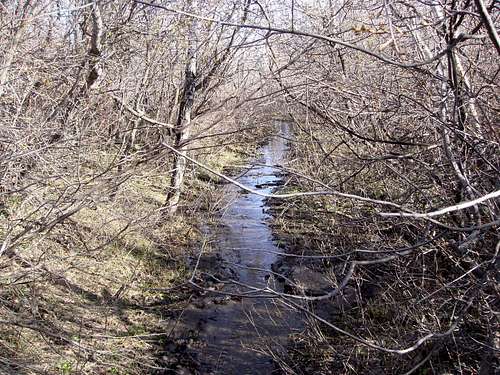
{"x": 86, "y": 296}
{"x": 79, "y": 299}
{"x": 392, "y": 304}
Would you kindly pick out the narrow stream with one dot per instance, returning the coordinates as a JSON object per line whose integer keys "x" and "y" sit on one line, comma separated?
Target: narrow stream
{"x": 238, "y": 336}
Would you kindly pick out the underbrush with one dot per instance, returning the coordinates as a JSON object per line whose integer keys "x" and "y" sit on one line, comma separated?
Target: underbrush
{"x": 92, "y": 264}
{"x": 413, "y": 304}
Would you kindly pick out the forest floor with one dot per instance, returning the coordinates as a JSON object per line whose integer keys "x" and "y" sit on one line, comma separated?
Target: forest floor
{"x": 106, "y": 286}
{"x": 373, "y": 305}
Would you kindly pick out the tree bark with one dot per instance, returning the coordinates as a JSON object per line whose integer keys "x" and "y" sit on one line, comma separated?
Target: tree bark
{"x": 183, "y": 126}
{"x": 22, "y": 13}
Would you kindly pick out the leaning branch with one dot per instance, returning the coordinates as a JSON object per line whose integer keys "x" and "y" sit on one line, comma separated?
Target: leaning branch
{"x": 406, "y": 212}
{"x": 488, "y": 23}
{"x": 457, "y": 207}
{"x": 287, "y": 195}
{"x": 142, "y": 116}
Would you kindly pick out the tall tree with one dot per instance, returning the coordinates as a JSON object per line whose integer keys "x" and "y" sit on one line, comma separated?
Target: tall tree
{"x": 182, "y": 128}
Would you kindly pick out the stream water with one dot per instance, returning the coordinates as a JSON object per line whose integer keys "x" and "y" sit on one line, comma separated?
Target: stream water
{"x": 237, "y": 336}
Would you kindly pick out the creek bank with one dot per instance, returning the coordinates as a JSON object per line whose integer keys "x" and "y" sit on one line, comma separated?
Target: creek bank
{"x": 307, "y": 228}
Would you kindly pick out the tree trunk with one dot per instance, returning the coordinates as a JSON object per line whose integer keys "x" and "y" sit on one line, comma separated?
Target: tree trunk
{"x": 22, "y": 12}
{"x": 182, "y": 128}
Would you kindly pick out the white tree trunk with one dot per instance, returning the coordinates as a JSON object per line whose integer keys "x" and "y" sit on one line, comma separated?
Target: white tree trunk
{"x": 11, "y": 50}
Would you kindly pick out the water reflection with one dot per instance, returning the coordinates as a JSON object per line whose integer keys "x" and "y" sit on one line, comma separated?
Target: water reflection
{"x": 235, "y": 332}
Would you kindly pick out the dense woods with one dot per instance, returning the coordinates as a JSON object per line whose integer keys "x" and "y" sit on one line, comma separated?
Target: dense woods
{"x": 121, "y": 122}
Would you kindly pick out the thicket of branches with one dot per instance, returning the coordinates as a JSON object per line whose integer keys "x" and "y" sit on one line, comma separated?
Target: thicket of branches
{"x": 409, "y": 121}
{"x": 90, "y": 92}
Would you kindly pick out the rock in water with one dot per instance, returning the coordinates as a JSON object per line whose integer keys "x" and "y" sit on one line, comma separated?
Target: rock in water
{"x": 309, "y": 282}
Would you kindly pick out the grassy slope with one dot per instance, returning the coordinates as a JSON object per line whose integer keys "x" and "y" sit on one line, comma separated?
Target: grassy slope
{"x": 82, "y": 298}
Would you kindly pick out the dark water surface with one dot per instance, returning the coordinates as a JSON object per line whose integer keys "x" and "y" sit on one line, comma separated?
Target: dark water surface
{"x": 237, "y": 336}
